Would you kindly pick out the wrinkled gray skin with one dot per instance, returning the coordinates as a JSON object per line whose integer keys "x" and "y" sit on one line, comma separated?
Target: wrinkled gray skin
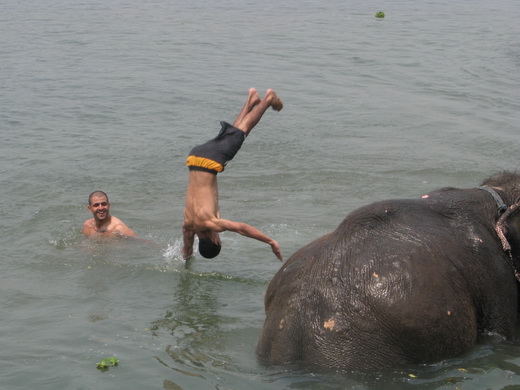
{"x": 399, "y": 282}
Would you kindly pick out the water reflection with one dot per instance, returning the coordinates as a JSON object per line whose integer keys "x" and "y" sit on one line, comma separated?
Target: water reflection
{"x": 195, "y": 324}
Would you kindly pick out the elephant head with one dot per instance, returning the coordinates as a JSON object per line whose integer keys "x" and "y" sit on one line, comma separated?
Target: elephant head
{"x": 508, "y": 225}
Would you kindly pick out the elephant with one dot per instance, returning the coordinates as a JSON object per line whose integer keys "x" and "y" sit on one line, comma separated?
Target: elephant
{"x": 400, "y": 282}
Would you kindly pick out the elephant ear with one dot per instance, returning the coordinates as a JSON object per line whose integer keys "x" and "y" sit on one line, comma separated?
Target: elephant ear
{"x": 508, "y": 229}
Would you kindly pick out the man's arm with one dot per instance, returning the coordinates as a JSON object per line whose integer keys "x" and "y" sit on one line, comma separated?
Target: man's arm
{"x": 121, "y": 228}
{"x": 220, "y": 225}
{"x": 126, "y": 231}
{"x": 188, "y": 236}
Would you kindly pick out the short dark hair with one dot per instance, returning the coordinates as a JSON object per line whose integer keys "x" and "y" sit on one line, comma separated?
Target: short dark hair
{"x": 208, "y": 249}
{"x": 96, "y": 193}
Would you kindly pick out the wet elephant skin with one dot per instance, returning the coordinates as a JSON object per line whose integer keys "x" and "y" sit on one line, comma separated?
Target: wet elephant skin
{"x": 400, "y": 282}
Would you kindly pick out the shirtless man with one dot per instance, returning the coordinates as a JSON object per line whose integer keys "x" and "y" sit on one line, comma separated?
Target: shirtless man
{"x": 202, "y": 214}
{"x": 103, "y": 224}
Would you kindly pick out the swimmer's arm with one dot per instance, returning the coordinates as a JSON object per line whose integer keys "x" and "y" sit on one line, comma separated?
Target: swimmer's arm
{"x": 124, "y": 230}
{"x": 220, "y": 225}
{"x": 118, "y": 227}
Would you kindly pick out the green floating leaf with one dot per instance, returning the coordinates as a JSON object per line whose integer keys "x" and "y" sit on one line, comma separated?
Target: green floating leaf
{"x": 113, "y": 361}
{"x": 107, "y": 362}
{"x": 380, "y": 14}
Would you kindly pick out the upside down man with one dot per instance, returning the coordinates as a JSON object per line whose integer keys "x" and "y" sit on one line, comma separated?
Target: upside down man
{"x": 202, "y": 213}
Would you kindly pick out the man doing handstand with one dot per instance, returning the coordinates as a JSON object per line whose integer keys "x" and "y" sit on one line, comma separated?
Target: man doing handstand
{"x": 202, "y": 214}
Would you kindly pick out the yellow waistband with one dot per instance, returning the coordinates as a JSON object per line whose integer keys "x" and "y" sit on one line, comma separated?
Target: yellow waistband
{"x": 204, "y": 163}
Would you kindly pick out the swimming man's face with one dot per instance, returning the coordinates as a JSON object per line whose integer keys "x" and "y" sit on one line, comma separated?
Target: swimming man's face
{"x": 99, "y": 207}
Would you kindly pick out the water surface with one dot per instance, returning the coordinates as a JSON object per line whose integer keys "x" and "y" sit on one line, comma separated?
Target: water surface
{"x": 112, "y": 96}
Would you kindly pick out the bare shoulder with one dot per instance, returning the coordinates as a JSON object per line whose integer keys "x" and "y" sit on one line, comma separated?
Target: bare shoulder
{"x": 88, "y": 226}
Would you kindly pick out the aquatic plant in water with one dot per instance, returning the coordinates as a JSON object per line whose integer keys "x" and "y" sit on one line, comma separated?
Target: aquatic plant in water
{"x": 107, "y": 362}
{"x": 380, "y": 14}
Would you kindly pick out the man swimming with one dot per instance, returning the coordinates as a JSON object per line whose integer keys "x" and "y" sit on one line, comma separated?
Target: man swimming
{"x": 202, "y": 214}
{"x": 103, "y": 224}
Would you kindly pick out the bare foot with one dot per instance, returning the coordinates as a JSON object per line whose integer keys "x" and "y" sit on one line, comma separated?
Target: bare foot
{"x": 251, "y": 102}
{"x": 253, "y": 98}
{"x": 273, "y": 100}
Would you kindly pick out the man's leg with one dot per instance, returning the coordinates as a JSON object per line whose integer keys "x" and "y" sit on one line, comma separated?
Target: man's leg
{"x": 255, "y": 108}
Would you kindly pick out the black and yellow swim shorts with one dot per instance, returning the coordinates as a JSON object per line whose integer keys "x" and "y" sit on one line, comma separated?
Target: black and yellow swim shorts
{"x": 213, "y": 155}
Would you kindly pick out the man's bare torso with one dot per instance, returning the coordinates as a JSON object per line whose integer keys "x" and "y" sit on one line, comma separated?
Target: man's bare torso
{"x": 114, "y": 227}
{"x": 201, "y": 200}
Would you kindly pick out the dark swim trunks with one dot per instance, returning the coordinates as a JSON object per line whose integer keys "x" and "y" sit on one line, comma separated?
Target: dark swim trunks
{"x": 215, "y": 154}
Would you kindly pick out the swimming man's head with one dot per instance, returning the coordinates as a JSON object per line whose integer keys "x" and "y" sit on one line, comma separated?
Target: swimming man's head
{"x": 96, "y": 193}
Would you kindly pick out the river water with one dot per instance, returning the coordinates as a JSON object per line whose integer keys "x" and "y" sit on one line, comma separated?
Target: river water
{"x": 113, "y": 94}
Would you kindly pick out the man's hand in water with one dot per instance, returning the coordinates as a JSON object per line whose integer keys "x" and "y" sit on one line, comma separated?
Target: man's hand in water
{"x": 188, "y": 237}
{"x": 187, "y": 253}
